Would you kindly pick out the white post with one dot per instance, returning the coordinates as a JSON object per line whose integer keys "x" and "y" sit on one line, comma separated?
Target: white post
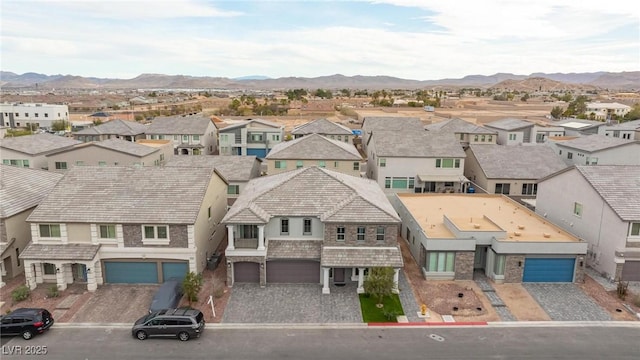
{"x": 210, "y": 301}
{"x": 325, "y": 282}
{"x": 230, "y": 244}
{"x": 30, "y": 274}
{"x": 60, "y": 277}
{"x": 360, "y": 280}
{"x": 260, "y": 237}
{"x": 396, "y": 273}
{"x": 92, "y": 284}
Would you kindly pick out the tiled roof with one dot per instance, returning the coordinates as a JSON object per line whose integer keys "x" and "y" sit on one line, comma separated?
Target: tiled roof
{"x": 314, "y": 147}
{"x": 179, "y": 125}
{"x": 115, "y": 127}
{"x": 619, "y": 186}
{"x": 343, "y": 256}
{"x": 60, "y": 252}
{"x": 517, "y": 161}
{"x": 394, "y": 123}
{"x": 37, "y": 144}
{"x": 593, "y": 143}
{"x": 416, "y": 144}
{"x": 22, "y": 188}
{"x": 294, "y": 249}
{"x": 231, "y": 167}
{"x": 249, "y": 122}
{"x": 118, "y": 145}
{"x": 311, "y": 191}
{"x": 119, "y": 194}
{"x": 509, "y": 124}
{"x": 627, "y": 125}
{"x": 321, "y": 126}
{"x": 458, "y": 125}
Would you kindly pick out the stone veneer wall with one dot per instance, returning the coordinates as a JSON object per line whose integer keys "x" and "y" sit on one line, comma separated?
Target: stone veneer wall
{"x": 464, "y": 265}
{"x": 513, "y": 268}
{"x": 579, "y": 274}
{"x": 255, "y": 259}
{"x": 618, "y": 274}
{"x": 178, "y": 237}
{"x": 351, "y": 232}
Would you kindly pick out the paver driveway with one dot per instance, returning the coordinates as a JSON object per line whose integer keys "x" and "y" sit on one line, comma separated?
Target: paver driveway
{"x": 116, "y": 304}
{"x": 292, "y": 303}
{"x": 566, "y": 302}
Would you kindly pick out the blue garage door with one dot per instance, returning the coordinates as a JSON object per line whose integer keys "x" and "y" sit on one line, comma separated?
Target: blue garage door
{"x": 131, "y": 272}
{"x": 548, "y": 270}
{"x": 257, "y": 152}
{"x": 174, "y": 270}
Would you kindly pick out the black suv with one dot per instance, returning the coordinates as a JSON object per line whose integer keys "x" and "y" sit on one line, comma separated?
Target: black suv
{"x": 181, "y": 323}
{"x": 26, "y": 322}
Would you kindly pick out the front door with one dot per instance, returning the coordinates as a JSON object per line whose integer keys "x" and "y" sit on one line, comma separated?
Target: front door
{"x": 8, "y": 268}
{"x": 338, "y": 275}
{"x": 480, "y": 257}
{"x": 79, "y": 272}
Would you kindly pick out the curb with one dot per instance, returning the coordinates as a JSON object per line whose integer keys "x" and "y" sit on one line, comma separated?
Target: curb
{"x": 429, "y": 324}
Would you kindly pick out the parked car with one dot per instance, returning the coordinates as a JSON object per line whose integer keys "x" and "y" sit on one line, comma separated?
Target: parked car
{"x": 181, "y": 323}
{"x": 168, "y": 296}
{"x": 26, "y": 322}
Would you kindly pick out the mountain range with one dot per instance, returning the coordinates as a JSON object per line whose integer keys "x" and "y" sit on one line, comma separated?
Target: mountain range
{"x": 536, "y": 81}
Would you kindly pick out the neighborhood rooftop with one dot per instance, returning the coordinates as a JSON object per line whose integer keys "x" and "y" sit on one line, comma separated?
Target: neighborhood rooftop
{"x": 596, "y": 143}
{"x": 314, "y": 147}
{"x": 416, "y": 144}
{"x": 249, "y": 122}
{"x": 321, "y": 126}
{"x": 517, "y": 161}
{"x": 23, "y": 188}
{"x": 619, "y": 186}
{"x": 231, "y": 167}
{"x": 119, "y": 145}
{"x": 37, "y": 144}
{"x": 179, "y": 125}
{"x": 117, "y": 126}
{"x": 458, "y": 125}
{"x": 393, "y": 123}
{"x": 509, "y": 124}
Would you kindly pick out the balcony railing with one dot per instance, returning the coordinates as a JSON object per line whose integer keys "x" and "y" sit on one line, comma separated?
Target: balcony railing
{"x": 246, "y": 243}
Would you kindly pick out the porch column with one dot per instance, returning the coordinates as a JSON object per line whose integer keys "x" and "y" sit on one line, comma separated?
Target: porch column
{"x": 360, "y": 280}
{"x": 97, "y": 267}
{"x": 91, "y": 277}
{"x": 230, "y": 244}
{"x": 396, "y": 273}
{"x": 68, "y": 273}
{"x": 30, "y": 275}
{"x": 38, "y": 273}
{"x": 260, "y": 237}
{"x": 60, "y": 277}
{"x": 325, "y": 280}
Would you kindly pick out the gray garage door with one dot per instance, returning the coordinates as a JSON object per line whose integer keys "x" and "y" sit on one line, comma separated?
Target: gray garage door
{"x": 631, "y": 271}
{"x": 293, "y": 271}
{"x": 247, "y": 272}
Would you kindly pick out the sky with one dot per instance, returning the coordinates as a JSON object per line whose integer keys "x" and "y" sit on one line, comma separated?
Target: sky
{"x": 410, "y": 39}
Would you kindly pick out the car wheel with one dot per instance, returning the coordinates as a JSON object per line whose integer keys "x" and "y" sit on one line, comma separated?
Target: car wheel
{"x": 141, "y": 335}
{"x": 183, "y": 336}
{"x": 27, "y": 335}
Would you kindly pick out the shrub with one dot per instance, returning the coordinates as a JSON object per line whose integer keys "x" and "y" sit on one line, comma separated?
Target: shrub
{"x": 390, "y": 315}
{"x": 20, "y": 293}
{"x": 622, "y": 289}
{"x": 191, "y": 286}
{"x": 53, "y": 291}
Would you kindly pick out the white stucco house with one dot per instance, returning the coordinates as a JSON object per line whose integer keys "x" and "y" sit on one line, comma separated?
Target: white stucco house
{"x": 190, "y": 134}
{"x": 626, "y": 130}
{"x": 250, "y": 137}
{"x": 597, "y": 150}
{"x": 512, "y": 131}
{"x": 31, "y": 150}
{"x": 605, "y": 111}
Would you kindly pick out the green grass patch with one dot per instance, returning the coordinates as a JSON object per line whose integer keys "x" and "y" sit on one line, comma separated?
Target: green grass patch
{"x": 388, "y": 313}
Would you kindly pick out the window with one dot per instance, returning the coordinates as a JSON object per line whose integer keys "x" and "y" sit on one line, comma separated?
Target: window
{"x": 284, "y": 226}
{"x": 102, "y": 163}
{"x": 498, "y": 265}
{"x": 512, "y": 136}
{"x": 336, "y": 164}
{"x": 399, "y": 183}
{"x": 340, "y": 233}
{"x": 356, "y": 166}
{"x": 380, "y": 233}
{"x": 224, "y": 137}
{"x": 18, "y": 256}
{"x": 26, "y": 114}
{"x": 196, "y": 138}
{"x": 281, "y": 164}
{"x": 577, "y": 209}
{"x": 298, "y": 164}
{"x": 482, "y": 138}
{"x": 18, "y": 163}
{"x": 441, "y": 261}
{"x": 107, "y": 231}
{"x": 37, "y": 114}
{"x": 233, "y": 190}
{"x": 529, "y": 189}
{"x": 79, "y": 163}
{"x": 387, "y": 183}
{"x": 490, "y": 138}
{"x": 209, "y": 212}
{"x": 503, "y": 189}
{"x": 185, "y": 138}
{"x": 635, "y": 229}
{"x": 360, "y": 233}
{"x": 447, "y": 163}
{"x": 155, "y": 232}
{"x": 569, "y": 155}
{"x": 321, "y": 163}
{"x": 197, "y": 152}
{"x": 61, "y": 165}
{"x": 412, "y": 182}
{"x": 50, "y": 230}
{"x": 461, "y": 136}
{"x": 175, "y": 137}
{"x": 248, "y": 231}
{"x": 46, "y": 115}
{"x": 592, "y": 161}
{"x": 339, "y": 137}
{"x": 275, "y": 137}
{"x": 256, "y": 137}
{"x": 382, "y": 162}
{"x": 306, "y": 227}
{"x": 475, "y": 138}
{"x": 49, "y": 269}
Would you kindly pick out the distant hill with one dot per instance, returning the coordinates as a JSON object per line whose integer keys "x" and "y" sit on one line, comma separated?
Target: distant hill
{"x": 532, "y": 84}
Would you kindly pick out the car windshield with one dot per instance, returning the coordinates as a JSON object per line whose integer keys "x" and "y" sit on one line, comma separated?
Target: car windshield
{"x": 199, "y": 317}
{"x": 144, "y": 319}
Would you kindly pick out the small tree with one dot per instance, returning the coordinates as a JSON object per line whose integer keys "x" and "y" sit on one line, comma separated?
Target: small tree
{"x": 59, "y": 125}
{"x": 191, "y": 286}
{"x": 379, "y": 283}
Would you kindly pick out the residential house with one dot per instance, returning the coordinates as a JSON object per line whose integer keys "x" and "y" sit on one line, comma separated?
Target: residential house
{"x": 114, "y": 129}
{"x": 20, "y": 115}
{"x": 314, "y": 150}
{"x": 21, "y": 190}
{"x": 117, "y": 224}
{"x": 114, "y": 151}
{"x": 600, "y": 204}
{"x": 310, "y": 225}
{"x": 451, "y": 236}
{"x": 237, "y": 170}
{"x": 542, "y": 133}
{"x": 629, "y": 130}
{"x": 579, "y": 127}
{"x": 510, "y": 170}
{"x": 416, "y": 161}
{"x": 512, "y": 131}
{"x": 191, "y": 134}
{"x": 466, "y": 132}
{"x": 597, "y": 150}
{"x": 324, "y": 127}
{"x": 607, "y": 111}
{"x": 250, "y": 137}
{"x": 402, "y": 124}
{"x": 31, "y": 150}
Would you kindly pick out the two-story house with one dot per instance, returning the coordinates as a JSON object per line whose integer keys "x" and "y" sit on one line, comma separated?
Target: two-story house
{"x": 114, "y": 129}
{"x": 600, "y": 204}
{"x": 21, "y": 190}
{"x": 117, "y": 224}
{"x": 191, "y": 134}
{"x": 250, "y": 137}
{"x": 416, "y": 161}
{"x": 466, "y": 132}
{"x": 326, "y": 128}
{"x": 31, "y": 150}
{"x": 607, "y": 111}
{"x": 629, "y": 130}
{"x": 511, "y": 131}
{"x": 403, "y": 124}
{"x": 579, "y": 127}
{"x": 21, "y": 115}
{"x": 597, "y": 150}
{"x": 314, "y": 150}
{"x": 311, "y": 225}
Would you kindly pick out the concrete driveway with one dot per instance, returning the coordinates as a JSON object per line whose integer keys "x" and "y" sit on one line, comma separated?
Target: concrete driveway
{"x": 566, "y": 302}
{"x": 116, "y": 304}
{"x": 292, "y": 303}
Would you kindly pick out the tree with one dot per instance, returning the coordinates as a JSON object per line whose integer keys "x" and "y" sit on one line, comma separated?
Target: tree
{"x": 525, "y": 97}
{"x": 634, "y": 113}
{"x": 59, "y": 125}
{"x": 191, "y": 286}
{"x": 379, "y": 283}
{"x": 556, "y": 112}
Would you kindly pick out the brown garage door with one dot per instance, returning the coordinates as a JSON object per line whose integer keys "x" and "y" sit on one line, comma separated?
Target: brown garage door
{"x": 631, "y": 271}
{"x": 247, "y": 272}
{"x": 293, "y": 271}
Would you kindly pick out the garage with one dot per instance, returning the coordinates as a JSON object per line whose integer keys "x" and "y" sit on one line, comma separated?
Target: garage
{"x": 261, "y": 153}
{"x": 293, "y": 271}
{"x": 630, "y": 271}
{"x": 247, "y": 272}
{"x": 172, "y": 270}
{"x": 548, "y": 269}
{"x": 124, "y": 272}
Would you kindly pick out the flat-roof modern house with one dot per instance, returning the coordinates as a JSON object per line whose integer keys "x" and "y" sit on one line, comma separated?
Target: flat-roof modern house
{"x": 20, "y": 115}
{"x": 21, "y": 190}
{"x": 31, "y": 150}
{"x": 403, "y": 124}
{"x": 607, "y": 111}
{"x": 466, "y": 132}
{"x": 117, "y": 224}
{"x": 324, "y": 127}
{"x": 629, "y": 130}
{"x": 600, "y": 204}
{"x": 451, "y": 236}
{"x": 314, "y": 150}
{"x": 190, "y": 134}
{"x": 579, "y": 127}
{"x": 597, "y": 150}
{"x": 311, "y": 225}
{"x": 113, "y": 129}
{"x": 250, "y": 137}
{"x": 512, "y": 131}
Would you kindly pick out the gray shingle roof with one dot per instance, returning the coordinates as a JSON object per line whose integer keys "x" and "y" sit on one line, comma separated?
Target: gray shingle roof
{"x": 251, "y": 121}
{"x": 115, "y": 127}
{"x": 458, "y": 125}
{"x": 38, "y": 143}
{"x": 343, "y": 256}
{"x": 618, "y": 185}
{"x": 231, "y": 167}
{"x": 314, "y": 147}
{"x": 395, "y": 123}
{"x": 321, "y": 126}
{"x": 119, "y": 145}
{"x": 179, "y": 125}
{"x": 22, "y": 189}
{"x": 311, "y": 191}
{"x": 518, "y": 161}
{"x": 416, "y": 144}
{"x": 119, "y": 194}
{"x": 593, "y": 143}
{"x": 509, "y": 124}
{"x": 294, "y": 249}
{"x": 627, "y": 125}
{"x": 60, "y": 252}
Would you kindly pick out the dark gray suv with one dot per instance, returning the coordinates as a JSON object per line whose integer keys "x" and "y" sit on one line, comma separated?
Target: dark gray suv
{"x": 181, "y": 323}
